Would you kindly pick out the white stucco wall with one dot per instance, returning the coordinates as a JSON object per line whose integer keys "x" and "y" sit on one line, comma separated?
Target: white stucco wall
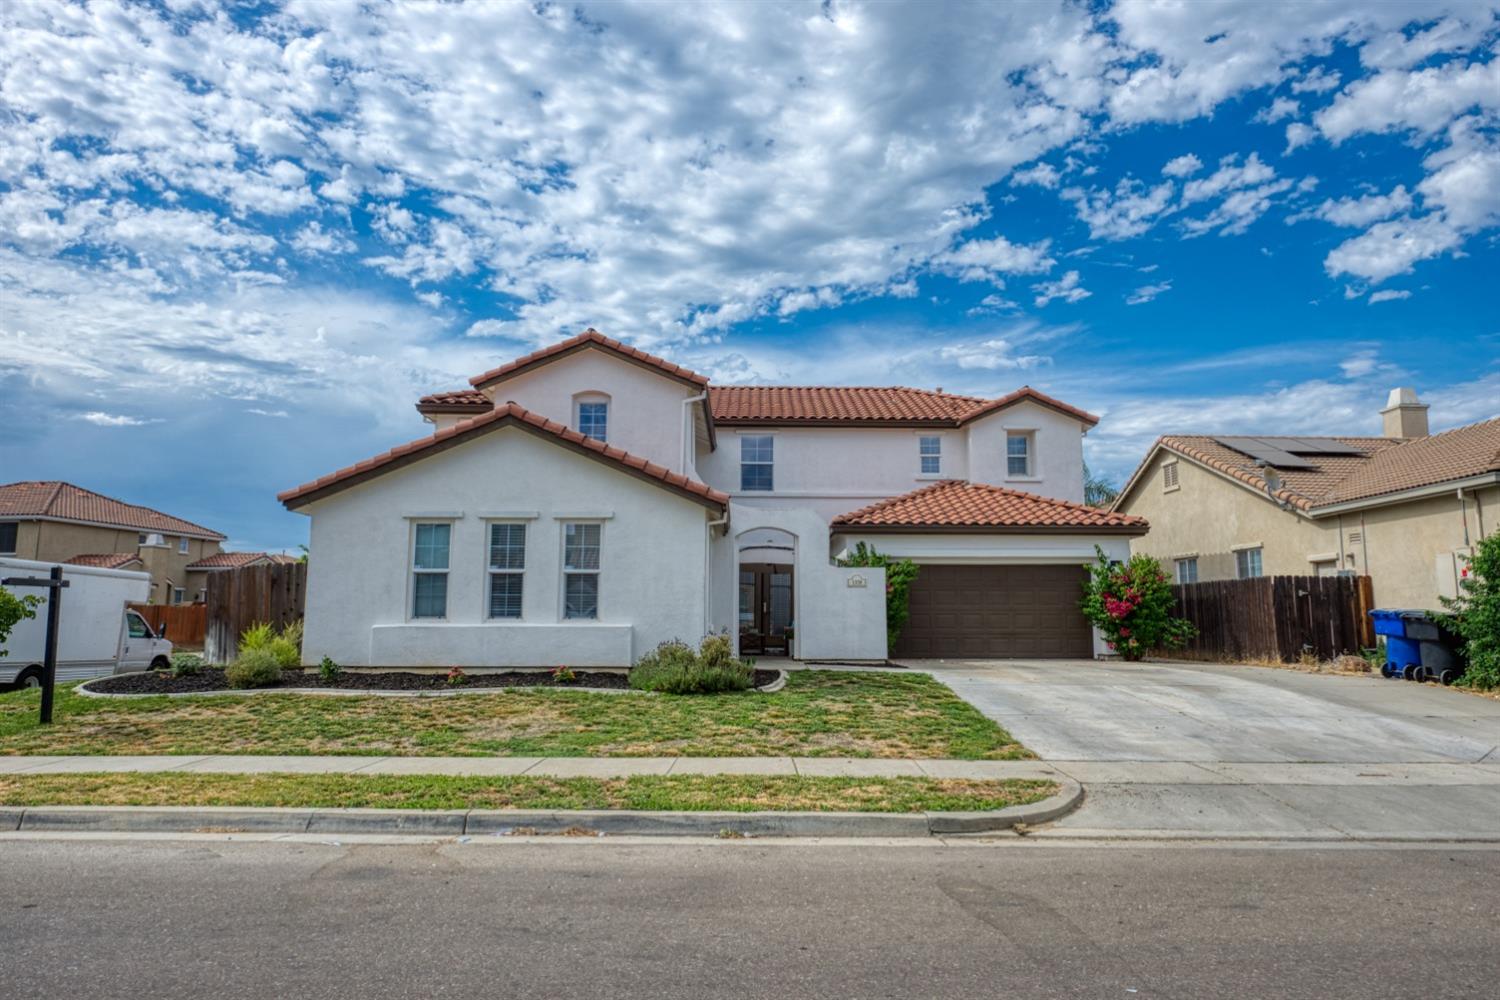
{"x": 1058, "y": 460}
{"x": 646, "y": 412}
{"x": 653, "y": 561}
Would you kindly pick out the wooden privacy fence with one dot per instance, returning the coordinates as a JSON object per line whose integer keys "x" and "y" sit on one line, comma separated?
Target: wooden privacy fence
{"x": 1277, "y": 618}
{"x": 185, "y": 623}
{"x": 240, "y": 598}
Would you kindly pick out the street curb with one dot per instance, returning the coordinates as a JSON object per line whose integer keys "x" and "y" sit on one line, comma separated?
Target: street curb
{"x": 516, "y": 822}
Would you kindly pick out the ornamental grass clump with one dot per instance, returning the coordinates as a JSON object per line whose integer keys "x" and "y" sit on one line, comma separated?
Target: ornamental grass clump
{"x": 254, "y": 668}
{"x": 674, "y": 667}
{"x": 285, "y": 645}
{"x": 1131, "y": 603}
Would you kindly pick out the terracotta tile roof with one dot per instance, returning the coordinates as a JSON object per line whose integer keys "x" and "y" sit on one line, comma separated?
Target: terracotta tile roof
{"x": 500, "y": 416}
{"x": 955, "y": 505}
{"x": 589, "y": 338}
{"x": 819, "y": 404}
{"x": 1457, "y": 454}
{"x": 234, "y": 560}
{"x": 457, "y": 401}
{"x": 1388, "y": 465}
{"x": 53, "y": 499}
{"x": 106, "y": 560}
{"x": 733, "y": 404}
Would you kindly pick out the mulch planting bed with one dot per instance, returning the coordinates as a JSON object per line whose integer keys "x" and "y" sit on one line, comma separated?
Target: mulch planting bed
{"x": 210, "y": 679}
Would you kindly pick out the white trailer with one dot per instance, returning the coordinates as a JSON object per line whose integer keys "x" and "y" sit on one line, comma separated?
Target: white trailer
{"x": 97, "y": 633}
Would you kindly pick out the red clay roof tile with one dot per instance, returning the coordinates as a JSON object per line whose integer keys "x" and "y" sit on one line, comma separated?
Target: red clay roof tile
{"x": 586, "y": 339}
{"x": 956, "y": 505}
{"x": 105, "y": 560}
{"x": 234, "y": 560}
{"x": 820, "y": 404}
{"x": 499, "y": 416}
{"x": 64, "y": 501}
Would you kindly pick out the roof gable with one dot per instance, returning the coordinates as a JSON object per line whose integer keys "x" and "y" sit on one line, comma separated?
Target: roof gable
{"x": 55, "y": 500}
{"x": 956, "y": 505}
{"x": 506, "y": 415}
{"x": 589, "y": 339}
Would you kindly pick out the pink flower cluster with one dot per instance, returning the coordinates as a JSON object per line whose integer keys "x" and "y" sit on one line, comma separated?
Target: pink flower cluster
{"x": 1121, "y": 607}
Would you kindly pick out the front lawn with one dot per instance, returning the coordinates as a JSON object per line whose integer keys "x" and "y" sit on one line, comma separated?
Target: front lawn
{"x": 671, "y": 792}
{"x": 818, "y": 714}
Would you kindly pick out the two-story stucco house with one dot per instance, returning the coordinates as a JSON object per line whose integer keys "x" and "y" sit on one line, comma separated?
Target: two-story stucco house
{"x": 588, "y": 501}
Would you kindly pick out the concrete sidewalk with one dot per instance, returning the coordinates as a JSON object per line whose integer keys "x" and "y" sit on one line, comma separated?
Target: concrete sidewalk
{"x": 1089, "y": 773}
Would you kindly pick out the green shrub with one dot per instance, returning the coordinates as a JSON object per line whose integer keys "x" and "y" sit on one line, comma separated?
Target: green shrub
{"x": 285, "y": 645}
{"x": 13, "y": 611}
{"x": 186, "y": 664}
{"x": 255, "y": 668}
{"x": 676, "y": 668}
{"x": 1475, "y": 616}
{"x": 329, "y": 671}
{"x": 1131, "y": 603}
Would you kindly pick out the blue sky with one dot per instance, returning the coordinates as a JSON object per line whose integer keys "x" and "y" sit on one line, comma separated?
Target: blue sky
{"x": 237, "y": 242}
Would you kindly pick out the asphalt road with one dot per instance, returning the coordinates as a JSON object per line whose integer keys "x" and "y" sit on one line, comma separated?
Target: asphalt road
{"x": 596, "y": 919}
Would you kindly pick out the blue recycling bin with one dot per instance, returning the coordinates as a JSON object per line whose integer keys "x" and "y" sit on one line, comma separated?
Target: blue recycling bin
{"x": 1416, "y": 647}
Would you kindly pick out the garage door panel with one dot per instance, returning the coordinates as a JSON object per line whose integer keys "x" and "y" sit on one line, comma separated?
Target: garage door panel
{"x": 980, "y": 612}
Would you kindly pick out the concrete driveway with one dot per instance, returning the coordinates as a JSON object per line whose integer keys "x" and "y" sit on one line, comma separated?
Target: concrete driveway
{"x": 1087, "y": 710}
{"x": 1206, "y": 751}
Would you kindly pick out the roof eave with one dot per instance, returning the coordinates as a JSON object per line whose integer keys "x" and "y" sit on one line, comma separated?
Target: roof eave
{"x": 1404, "y": 496}
{"x": 988, "y": 529}
{"x": 489, "y": 379}
{"x": 206, "y": 534}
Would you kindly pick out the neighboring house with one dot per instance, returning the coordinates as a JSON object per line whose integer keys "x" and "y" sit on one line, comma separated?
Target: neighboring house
{"x": 1405, "y": 509}
{"x": 239, "y": 560}
{"x": 588, "y": 501}
{"x": 59, "y": 522}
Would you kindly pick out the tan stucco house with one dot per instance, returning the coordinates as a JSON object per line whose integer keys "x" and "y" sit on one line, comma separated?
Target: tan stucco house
{"x": 59, "y": 522}
{"x": 1405, "y": 508}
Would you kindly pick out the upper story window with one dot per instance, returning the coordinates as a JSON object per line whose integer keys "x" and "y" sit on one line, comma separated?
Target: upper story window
{"x": 507, "y": 569}
{"x": 1169, "y": 480}
{"x": 757, "y": 458}
{"x": 930, "y": 453}
{"x": 1019, "y": 457}
{"x": 591, "y": 415}
{"x": 1247, "y": 563}
{"x": 182, "y": 545}
{"x": 429, "y": 570}
{"x": 1187, "y": 570}
{"x": 153, "y": 539}
{"x": 8, "y": 532}
{"x": 581, "y": 547}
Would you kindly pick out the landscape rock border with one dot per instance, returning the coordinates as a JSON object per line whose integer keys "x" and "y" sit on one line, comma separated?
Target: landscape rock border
{"x": 523, "y": 822}
{"x": 83, "y": 689}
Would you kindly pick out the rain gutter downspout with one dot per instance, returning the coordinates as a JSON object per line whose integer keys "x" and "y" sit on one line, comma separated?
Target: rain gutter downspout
{"x": 708, "y": 585}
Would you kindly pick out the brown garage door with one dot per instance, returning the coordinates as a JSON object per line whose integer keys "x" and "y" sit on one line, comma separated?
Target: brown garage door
{"x": 978, "y": 612}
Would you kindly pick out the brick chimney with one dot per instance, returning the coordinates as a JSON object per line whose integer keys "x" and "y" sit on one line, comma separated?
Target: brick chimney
{"x": 1404, "y": 415}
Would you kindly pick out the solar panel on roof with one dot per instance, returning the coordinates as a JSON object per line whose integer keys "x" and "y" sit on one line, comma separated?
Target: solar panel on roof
{"x": 1313, "y": 446}
{"x": 1263, "y": 450}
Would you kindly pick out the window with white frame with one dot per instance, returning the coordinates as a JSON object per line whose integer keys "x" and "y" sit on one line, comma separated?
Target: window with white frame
{"x": 757, "y": 459}
{"x": 581, "y": 542}
{"x": 1187, "y": 570}
{"x": 1169, "y": 477}
{"x": 179, "y": 595}
{"x": 507, "y": 569}
{"x": 1247, "y": 563}
{"x": 930, "y": 453}
{"x": 1018, "y": 457}
{"x": 593, "y": 418}
{"x": 182, "y": 545}
{"x": 429, "y": 570}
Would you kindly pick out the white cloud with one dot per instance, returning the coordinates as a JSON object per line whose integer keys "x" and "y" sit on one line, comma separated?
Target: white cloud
{"x": 1364, "y": 210}
{"x": 1297, "y": 136}
{"x": 1129, "y": 210}
{"x": 1147, "y": 293}
{"x": 1066, "y": 288}
{"x": 985, "y": 260}
{"x": 1281, "y": 107}
{"x": 102, "y": 419}
{"x": 1182, "y": 166}
{"x": 1231, "y": 175}
{"x": 1389, "y": 295}
{"x": 1318, "y": 80}
{"x": 1391, "y": 248}
{"x": 991, "y": 355}
{"x": 1041, "y": 175}
{"x": 314, "y": 239}
{"x": 1424, "y": 101}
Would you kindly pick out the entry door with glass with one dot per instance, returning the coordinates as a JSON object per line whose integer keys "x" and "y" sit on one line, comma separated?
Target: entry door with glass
{"x": 766, "y": 627}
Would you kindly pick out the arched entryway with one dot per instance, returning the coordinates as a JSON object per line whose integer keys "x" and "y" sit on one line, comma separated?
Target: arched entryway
{"x": 767, "y": 599}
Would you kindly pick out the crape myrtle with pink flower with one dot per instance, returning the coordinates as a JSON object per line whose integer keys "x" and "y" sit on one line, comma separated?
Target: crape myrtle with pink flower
{"x": 1131, "y": 604}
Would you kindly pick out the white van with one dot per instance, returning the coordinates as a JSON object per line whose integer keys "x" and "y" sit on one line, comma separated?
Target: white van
{"x": 98, "y": 634}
